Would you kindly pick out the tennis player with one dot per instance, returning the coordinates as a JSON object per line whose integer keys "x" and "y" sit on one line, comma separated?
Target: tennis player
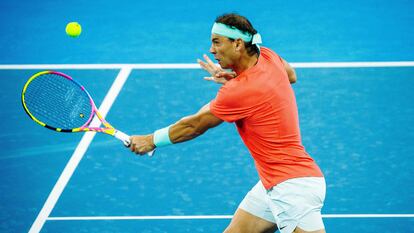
{"x": 258, "y": 98}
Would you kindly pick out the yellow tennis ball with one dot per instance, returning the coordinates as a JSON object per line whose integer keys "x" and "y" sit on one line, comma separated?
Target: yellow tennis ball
{"x": 73, "y": 29}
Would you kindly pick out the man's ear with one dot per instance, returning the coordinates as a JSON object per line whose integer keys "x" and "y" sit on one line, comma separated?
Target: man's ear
{"x": 239, "y": 43}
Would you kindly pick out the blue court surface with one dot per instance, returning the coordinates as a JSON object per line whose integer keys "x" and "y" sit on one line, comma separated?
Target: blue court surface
{"x": 354, "y": 61}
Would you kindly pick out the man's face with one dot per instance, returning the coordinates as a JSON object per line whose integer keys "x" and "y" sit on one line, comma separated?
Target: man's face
{"x": 223, "y": 50}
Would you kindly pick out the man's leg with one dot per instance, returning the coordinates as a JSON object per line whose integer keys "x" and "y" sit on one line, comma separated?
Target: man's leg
{"x": 244, "y": 222}
{"x": 253, "y": 214}
{"x": 310, "y": 223}
{"x": 297, "y": 203}
{"x": 298, "y": 230}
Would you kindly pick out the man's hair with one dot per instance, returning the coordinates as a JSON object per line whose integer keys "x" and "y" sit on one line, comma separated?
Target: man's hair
{"x": 243, "y": 24}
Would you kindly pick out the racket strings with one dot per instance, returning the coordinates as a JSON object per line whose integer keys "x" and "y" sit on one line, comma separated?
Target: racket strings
{"x": 58, "y": 101}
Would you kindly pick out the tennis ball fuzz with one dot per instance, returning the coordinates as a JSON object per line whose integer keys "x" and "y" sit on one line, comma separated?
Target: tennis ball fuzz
{"x": 73, "y": 29}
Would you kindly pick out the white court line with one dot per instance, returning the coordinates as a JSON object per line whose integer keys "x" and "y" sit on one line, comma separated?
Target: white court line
{"x": 168, "y": 217}
{"x": 197, "y": 66}
{"x": 78, "y": 153}
{"x": 194, "y": 217}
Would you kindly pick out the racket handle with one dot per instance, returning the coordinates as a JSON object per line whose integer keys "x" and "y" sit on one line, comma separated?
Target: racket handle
{"x": 125, "y": 139}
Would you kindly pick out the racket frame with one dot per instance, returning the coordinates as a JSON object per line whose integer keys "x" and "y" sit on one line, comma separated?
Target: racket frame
{"x": 108, "y": 128}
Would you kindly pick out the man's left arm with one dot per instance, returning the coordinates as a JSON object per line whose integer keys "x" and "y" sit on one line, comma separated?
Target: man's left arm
{"x": 183, "y": 130}
{"x": 290, "y": 71}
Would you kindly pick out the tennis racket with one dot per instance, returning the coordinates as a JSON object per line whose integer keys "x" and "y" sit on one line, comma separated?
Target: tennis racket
{"x": 56, "y": 101}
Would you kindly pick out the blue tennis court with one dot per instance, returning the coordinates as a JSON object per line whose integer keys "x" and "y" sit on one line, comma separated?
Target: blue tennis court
{"x": 355, "y": 69}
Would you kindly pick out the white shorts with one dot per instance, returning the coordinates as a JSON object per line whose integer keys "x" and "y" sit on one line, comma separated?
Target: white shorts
{"x": 293, "y": 203}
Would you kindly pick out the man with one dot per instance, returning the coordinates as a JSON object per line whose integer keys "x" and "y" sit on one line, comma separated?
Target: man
{"x": 258, "y": 97}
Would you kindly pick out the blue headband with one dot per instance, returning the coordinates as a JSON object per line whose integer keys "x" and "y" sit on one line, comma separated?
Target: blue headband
{"x": 234, "y": 33}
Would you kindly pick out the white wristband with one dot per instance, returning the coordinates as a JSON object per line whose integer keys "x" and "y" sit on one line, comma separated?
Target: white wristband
{"x": 162, "y": 137}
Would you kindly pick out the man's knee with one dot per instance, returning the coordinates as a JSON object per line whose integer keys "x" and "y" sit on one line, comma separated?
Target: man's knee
{"x": 231, "y": 229}
{"x": 243, "y": 221}
{"x": 239, "y": 230}
{"x": 251, "y": 228}
{"x": 298, "y": 230}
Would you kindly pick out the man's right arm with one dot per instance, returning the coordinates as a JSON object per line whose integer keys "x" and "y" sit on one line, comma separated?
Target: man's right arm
{"x": 193, "y": 126}
{"x": 290, "y": 71}
{"x": 185, "y": 129}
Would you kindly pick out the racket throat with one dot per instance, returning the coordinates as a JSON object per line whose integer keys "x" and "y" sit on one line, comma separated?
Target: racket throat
{"x": 123, "y": 137}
